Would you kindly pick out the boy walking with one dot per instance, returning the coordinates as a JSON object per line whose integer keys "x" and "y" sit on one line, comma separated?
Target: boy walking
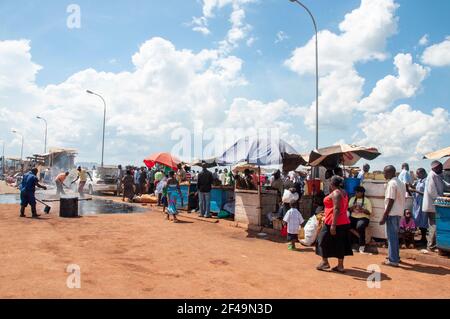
{"x": 294, "y": 220}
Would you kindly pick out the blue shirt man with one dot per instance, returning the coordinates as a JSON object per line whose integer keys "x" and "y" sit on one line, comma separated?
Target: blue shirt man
{"x": 27, "y": 190}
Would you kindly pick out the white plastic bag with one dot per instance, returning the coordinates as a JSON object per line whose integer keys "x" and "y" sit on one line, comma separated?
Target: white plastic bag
{"x": 311, "y": 228}
{"x": 289, "y": 197}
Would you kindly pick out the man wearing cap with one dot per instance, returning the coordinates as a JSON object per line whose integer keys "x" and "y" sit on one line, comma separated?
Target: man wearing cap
{"x": 434, "y": 187}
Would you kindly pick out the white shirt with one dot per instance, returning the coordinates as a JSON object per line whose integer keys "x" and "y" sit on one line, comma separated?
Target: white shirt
{"x": 434, "y": 187}
{"x": 294, "y": 219}
{"x": 395, "y": 190}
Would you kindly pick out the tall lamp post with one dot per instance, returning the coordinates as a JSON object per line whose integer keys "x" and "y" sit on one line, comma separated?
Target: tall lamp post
{"x": 21, "y": 149}
{"x": 104, "y": 121}
{"x": 45, "y": 139}
{"x": 317, "y": 74}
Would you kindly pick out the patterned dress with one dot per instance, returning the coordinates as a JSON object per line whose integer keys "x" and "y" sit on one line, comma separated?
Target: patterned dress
{"x": 420, "y": 217}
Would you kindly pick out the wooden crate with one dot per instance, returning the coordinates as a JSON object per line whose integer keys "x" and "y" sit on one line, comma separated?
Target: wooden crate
{"x": 247, "y": 208}
{"x": 374, "y": 188}
{"x": 269, "y": 202}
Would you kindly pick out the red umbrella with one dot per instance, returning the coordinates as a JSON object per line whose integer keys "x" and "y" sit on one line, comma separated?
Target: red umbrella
{"x": 165, "y": 159}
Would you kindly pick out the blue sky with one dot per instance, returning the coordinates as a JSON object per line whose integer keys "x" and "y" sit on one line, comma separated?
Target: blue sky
{"x": 113, "y": 31}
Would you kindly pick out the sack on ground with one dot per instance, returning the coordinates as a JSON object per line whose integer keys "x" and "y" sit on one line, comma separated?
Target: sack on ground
{"x": 310, "y": 230}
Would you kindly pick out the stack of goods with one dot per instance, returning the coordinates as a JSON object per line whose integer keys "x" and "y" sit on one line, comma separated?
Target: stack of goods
{"x": 146, "y": 199}
{"x": 442, "y": 201}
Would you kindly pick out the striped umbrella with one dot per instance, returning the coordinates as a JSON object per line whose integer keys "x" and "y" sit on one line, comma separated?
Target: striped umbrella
{"x": 345, "y": 154}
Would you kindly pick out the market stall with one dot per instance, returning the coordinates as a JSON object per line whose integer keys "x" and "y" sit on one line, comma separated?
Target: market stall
{"x": 442, "y": 205}
{"x": 252, "y": 206}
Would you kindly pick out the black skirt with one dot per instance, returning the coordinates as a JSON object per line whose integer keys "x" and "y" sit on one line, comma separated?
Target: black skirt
{"x": 338, "y": 246}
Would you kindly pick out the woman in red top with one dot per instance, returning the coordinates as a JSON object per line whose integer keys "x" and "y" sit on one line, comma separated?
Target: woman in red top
{"x": 333, "y": 240}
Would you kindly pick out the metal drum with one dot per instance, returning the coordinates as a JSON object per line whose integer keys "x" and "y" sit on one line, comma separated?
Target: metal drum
{"x": 68, "y": 207}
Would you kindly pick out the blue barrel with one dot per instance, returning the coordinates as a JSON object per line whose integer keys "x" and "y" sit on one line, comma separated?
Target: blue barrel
{"x": 350, "y": 184}
{"x": 185, "y": 194}
{"x": 443, "y": 226}
{"x": 218, "y": 199}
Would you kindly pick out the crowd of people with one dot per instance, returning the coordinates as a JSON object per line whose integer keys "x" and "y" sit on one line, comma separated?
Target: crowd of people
{"x": 345, "y": 217}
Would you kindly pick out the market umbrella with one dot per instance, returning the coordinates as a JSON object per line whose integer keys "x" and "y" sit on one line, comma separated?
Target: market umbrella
{"x": 165, "y": 159}
{"x": 348, "y": 155}
{"x": 261, "y": 151}
{"x": 241, "y": 167}
{"x": 438, "y": 154}
{"x": 210, "y": 162}
{"x": 447, "y": 165}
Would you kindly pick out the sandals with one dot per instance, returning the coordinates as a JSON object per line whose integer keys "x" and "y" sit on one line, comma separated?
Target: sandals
{"x": 323, "y": 267}
{"x": 336, "y": 269}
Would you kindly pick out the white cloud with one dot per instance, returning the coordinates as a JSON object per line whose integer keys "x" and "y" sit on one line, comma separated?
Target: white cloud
{"x": 239, "y": 30}
{"x": 424, "y": 40}
{"x": 406, "y": 133}
{"x": 200, "y": 25}
{"x": 251, "y": 41}
{"x": 438, "y": 54}
{"x": 391, "y": 88}
{"x": 244, "y": 113}
{"x": 281, "y": 36}
{"x": 363, "y": 37}
{"x": 167, "y": 89}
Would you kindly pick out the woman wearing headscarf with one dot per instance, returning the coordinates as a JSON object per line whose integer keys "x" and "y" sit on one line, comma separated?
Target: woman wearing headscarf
{"x": 333, "y": 240}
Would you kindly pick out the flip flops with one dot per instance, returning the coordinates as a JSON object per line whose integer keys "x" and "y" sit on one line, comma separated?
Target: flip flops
{"x": 323, "y": 267}
{"x": 336, "y": 269}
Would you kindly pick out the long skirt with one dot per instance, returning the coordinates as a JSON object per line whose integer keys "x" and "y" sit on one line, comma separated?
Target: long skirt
{"x": 128, "y": 191}
{"x": 337, "y": 246}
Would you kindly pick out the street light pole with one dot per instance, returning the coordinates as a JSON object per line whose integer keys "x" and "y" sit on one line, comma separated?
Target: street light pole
{"x": 45, "y": 139}
{"x": 317, "y": 72}
{"x": 104, "y": 122}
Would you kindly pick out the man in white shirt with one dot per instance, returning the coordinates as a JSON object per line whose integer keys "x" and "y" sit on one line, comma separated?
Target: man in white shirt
{"x": 434, "y": 187}
{"x": 394, "y": 208}
{"x": 294, "y": 220}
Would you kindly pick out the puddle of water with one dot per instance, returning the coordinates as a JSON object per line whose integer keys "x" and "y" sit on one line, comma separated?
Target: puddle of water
{"x": 100, "y": 207}
{"x": 86, "y": 208}
{"x": 10, "y": 199}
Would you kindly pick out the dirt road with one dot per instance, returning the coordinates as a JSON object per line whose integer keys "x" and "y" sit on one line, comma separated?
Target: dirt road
{"x": 144, "y": 256}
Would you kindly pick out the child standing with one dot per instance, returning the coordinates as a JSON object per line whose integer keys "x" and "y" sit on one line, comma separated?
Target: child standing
{"x": 294, "y": 220}
{"x": 407, "y": 230}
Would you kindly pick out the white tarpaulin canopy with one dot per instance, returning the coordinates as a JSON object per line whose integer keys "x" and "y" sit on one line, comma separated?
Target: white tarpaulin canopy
{"x": 261, "y": 152}
{"x": 438, "y": 154}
